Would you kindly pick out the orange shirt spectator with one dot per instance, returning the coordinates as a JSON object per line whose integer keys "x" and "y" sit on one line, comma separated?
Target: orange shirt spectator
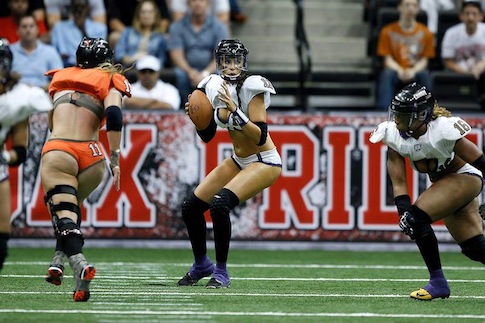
{"x": 406, "y": 47}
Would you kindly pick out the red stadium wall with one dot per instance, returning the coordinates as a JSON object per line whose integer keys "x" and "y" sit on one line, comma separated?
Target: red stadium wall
{"x": 334, "y": 185}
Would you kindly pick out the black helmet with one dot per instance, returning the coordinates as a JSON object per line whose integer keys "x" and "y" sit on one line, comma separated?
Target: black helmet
{"x": 231, "y": 49}
{"x": 93, "y": 51}
{"x": 413, "y": 102}
{"x": 5, "y": 60}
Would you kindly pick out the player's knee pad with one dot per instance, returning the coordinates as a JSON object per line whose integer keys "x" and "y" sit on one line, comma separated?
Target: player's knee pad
{"x": 193, "y": 207}
{"x": 474, "y": 248}
{"x": 223, "y": 202}
{"x": 67, "y": 227}
{"x": 68, "y": 206}
{"x": 420, "y": 222}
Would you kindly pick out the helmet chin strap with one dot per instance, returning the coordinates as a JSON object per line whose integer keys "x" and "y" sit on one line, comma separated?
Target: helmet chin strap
{"x": 410, "y": 132}
{"x": 231, "y": 78}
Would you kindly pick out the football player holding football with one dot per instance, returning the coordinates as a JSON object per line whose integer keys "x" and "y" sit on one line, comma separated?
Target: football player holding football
{"x": 434, "y": 142}
{"x": 240, "y": 101}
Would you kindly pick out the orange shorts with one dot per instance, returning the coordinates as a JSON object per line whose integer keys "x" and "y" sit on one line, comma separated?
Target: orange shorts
{"x": 86, "y": 153}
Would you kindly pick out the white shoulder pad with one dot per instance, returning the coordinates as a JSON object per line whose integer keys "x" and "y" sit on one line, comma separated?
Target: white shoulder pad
{"x": 257, "y": 83}
{"x": 204, "y": 81}
{"x": 453, "y": 128}
{"x": 379, "y": 132}
{"x": 39, "y": 99}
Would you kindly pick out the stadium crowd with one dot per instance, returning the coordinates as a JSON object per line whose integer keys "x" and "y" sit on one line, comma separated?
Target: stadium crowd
{"x": 171, "y": 31}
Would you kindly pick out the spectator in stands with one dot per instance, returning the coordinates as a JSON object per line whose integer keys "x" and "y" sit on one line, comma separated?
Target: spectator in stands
{"x": 60, "y": 9}
{"x": 121, "y": 13}
{"x": 36, "y": 7}
{"x": 31, "y": 57}
{"x": 144, "y": 37}
{"x": 220, "y": 8}
{"x": 463, "y": 46}
{"x": 405, "y": 45}
{"x": 192, "y": 41}
{"x": 9, "y": 24}
{"x": 149, "y": 92}
{"x": 432, "y": 9}
{"x": 67, "y": 34}
{"x": 236, "y": 13}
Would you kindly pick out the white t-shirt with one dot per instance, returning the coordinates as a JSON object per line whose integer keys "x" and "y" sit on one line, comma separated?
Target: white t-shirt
{"x": 216, "y": 6}
{"x": 466, "y": 50}
{"x": 62, "y": 7}
{"x": 162, "y": 91}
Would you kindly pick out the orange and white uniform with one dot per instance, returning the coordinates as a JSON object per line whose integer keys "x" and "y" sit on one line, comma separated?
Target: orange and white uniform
{"x": 86, "y": 88}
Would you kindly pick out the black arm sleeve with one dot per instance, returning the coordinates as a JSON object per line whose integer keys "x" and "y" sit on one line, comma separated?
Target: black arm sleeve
{"x": 480, "y": 163}
{"x": 208, "y": 133}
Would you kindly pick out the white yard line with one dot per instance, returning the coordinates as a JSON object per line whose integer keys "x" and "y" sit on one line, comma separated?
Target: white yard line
{"x": 158, "y": 265}
{"x": 239, "y": 314}
{"x": 118, "y": 278}
{"x": 224, "y": 293}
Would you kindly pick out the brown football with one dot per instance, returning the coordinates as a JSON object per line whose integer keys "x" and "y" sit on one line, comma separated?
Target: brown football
{"x": 200, "y": 109}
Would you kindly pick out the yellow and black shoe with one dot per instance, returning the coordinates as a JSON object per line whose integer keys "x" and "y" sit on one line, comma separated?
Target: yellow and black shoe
{"x": 423, "y": 295}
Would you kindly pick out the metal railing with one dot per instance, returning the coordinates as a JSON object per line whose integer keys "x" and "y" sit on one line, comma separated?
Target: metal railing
{"x": 303, "y": 51}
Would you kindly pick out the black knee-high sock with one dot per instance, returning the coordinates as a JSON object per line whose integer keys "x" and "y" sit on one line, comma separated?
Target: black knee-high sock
{"x": 59, "y": 245}
{"x": 428, "y": 246}
{"x": 197, "y": 230}
{"x": 222, "y": 223}
{"x": 426, "y": 240}
{"x": 3, "y": 247}
{"x": 193, "y": 215}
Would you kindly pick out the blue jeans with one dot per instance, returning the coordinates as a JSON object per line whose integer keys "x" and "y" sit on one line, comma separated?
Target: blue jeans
{"x": 390, "y": 84}
{"x": 183, "y": 85}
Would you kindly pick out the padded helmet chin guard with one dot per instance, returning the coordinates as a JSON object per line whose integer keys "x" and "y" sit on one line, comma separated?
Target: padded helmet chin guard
{"x": 92, "y": 52}
{"x": 234, "y": 49}
{"x": 5, "y": 60}
{"x": 414, "y": 102}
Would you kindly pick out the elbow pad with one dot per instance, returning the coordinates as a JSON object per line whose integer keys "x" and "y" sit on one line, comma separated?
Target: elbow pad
{"x": 114, "y": 119}
{"x": 208, "y": 133}
{"x": 21, "y": 152}
{"x": 264, "y": 132}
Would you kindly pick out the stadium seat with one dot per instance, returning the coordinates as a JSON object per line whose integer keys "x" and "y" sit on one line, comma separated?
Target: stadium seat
{"x": 455, "y": 91}
{"x": 372, "y": 8}
{"x": 446, "y": 19}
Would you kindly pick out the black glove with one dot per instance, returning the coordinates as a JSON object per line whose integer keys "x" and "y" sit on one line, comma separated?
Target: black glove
{"x": 403, "y": 203}
{"x": 406, "y": 222}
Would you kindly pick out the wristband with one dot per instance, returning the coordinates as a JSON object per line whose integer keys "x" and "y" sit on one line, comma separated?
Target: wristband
{"x": 240, "y": 118}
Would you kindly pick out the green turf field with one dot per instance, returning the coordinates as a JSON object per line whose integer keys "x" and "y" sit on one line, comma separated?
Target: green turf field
{"x": 139, "y": 285}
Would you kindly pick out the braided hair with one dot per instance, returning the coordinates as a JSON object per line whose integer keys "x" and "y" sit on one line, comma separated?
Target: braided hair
{"x": 439, "y": 111}
{"x": 239, "y": 84}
